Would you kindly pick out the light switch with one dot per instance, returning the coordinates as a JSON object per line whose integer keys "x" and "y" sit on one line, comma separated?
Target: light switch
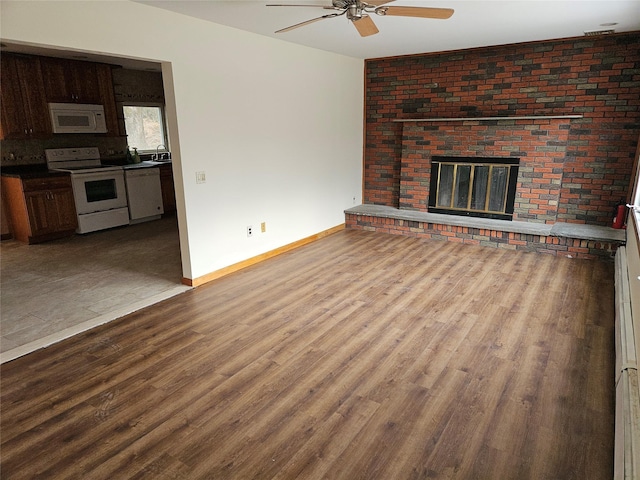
{"x": 200, "y": 177}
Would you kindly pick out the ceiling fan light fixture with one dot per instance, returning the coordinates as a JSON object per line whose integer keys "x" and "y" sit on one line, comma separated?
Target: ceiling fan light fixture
{"x": 354, "y": 12}
{"x": 358, "y": 12}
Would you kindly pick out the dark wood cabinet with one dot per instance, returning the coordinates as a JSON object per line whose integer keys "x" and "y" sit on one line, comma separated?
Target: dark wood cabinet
{"x": 168, "y": 189}
{"x": 23, "y": 104}
{"x": 69, "y": 81}
{"x": 29, "y": 83}
{"x": 40, "y": 208}
{"x": 108, "y": 99}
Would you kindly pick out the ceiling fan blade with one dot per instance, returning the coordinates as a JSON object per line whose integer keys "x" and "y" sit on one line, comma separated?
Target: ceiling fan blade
{"x": 307, "y": 22}
{"x": 422, "y": 12}
{"x": 365, "y": 26}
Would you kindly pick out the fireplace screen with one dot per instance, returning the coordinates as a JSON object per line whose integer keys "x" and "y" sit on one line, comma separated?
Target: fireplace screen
{"x": 481, "y": 187}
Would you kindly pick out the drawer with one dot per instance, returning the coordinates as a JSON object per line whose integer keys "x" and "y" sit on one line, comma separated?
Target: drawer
{"x": 46, "y": 183}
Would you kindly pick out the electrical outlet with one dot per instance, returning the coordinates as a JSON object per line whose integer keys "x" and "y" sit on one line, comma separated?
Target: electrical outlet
{"x": 201, "y": 177}
{"x": 263, "y": 227}
{"x": 249, "y": 231}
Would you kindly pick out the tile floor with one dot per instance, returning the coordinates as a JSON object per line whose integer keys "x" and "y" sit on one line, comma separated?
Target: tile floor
{"x": 53, "y": 290}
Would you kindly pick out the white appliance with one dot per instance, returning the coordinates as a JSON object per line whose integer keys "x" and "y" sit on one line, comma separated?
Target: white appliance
{"x": 144, "y": 193}
{"x": 77, "y": 118}
{"x": 99, "y": 190}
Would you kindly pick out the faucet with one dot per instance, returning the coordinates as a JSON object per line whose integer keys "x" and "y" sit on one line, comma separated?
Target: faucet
{"x": 157, "y": 155}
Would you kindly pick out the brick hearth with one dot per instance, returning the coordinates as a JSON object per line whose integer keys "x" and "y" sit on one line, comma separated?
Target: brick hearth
{"x": 562, "y": 239}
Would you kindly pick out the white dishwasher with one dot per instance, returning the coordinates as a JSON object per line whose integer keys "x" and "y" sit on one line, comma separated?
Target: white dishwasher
{"x": 144, "y": 193}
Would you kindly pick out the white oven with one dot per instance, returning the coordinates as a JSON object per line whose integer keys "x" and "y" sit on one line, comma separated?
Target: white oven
{"x": 101, "y": 200}
{"x": 99, "y": 190}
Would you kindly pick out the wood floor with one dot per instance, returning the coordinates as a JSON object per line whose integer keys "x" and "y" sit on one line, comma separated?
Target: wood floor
{"x": 360, "y": 356}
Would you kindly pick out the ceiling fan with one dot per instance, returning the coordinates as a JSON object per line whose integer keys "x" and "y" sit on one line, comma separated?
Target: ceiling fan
{"x": 358, "y": 12}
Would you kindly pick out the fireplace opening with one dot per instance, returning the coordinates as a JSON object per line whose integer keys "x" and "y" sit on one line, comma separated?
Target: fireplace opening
{"x": 474, "y": 186}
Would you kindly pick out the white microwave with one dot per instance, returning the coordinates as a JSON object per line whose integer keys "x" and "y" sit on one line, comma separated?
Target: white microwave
{"x": 77, "y": 118}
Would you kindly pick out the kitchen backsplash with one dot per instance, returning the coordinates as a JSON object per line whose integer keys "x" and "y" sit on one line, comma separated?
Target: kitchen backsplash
{"x": 30, "y": 152}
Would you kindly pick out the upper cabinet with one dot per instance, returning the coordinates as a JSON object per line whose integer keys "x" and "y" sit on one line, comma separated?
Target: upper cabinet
{"x": 29, "y": 83}
{"x": 107, "y": 98}
{"x": 70, "y": 81}
{"x": 23, "y": 103}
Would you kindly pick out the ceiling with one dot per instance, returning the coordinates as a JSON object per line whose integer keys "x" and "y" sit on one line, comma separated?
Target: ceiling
{"x": 474, "y": 24}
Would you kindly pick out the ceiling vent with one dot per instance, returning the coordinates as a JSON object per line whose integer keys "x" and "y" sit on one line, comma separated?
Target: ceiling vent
{"x": 593, "y": 33}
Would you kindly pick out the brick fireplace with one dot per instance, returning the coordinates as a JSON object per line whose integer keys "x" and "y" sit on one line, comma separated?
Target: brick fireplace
{"x": 583, "y": 165}
{"x": 540, "y": 145}
{"x": 569, "y": 110}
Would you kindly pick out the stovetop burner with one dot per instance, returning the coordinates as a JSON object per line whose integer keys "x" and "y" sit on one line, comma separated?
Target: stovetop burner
{"x": 77, "y": 160}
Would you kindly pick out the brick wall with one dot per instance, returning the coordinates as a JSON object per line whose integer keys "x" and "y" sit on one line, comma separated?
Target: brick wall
{"x": 598, "y": 78}
{"x": 539, "y": 144}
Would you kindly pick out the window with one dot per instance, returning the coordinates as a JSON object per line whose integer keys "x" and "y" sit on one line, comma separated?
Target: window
{"x": 145, "y": 127}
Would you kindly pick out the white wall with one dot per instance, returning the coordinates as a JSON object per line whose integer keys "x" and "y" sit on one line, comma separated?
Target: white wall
{"x": 276, "y": 127}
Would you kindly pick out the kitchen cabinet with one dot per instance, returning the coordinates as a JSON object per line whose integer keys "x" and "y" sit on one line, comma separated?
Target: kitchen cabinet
{"x": 108, "y": 99}
{"x": 70, "y": 81}
{"x": 40, "y": 208}
{"x": 5, "y": 229}
{"x": 168, "y": 190}
{"x": 28, "y": 83}
{"x": 23, "y": 104}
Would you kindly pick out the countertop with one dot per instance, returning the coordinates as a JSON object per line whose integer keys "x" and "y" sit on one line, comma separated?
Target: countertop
{"x": 145, "y": 164}
{"x": 29, "y": 171}
{"x": 40, "y": 170}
